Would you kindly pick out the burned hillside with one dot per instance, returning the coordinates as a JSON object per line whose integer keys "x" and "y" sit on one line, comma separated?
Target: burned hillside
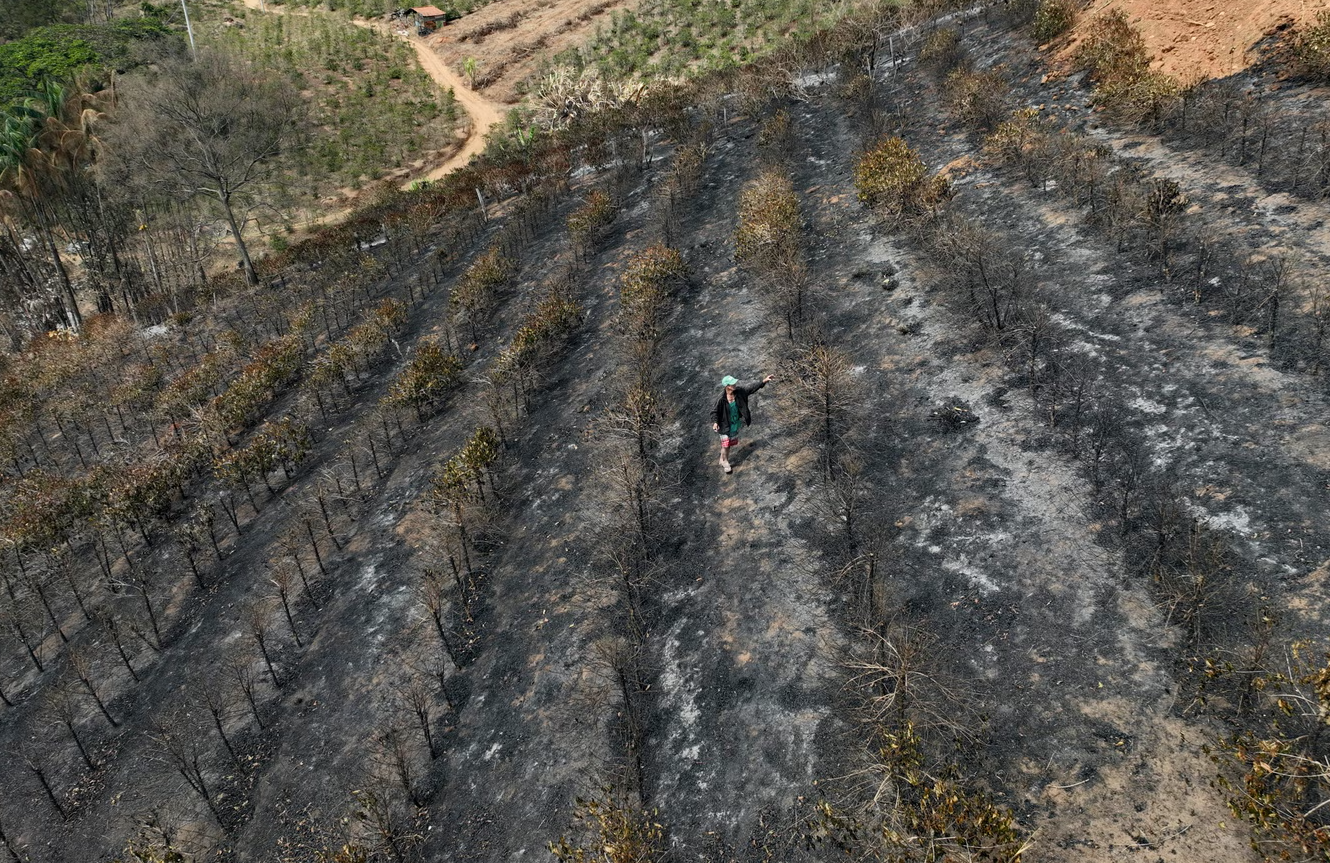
{"x": 420, "y": 548}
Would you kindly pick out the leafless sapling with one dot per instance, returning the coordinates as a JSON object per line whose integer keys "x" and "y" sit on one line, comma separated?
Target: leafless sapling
{"x": 181, "y": 748}
{"x": 58, "y": 560}
{"x": 988, "y": 278}
{"x": 219, "y": 705}
{"x": 1279, "y": 287}
{"x": 140, "y": 580}
{"x": 318, "y": 559}
{"x": 394, "y": 757}
{"x": 1165, "y": 204}
{"x": 638, "y": 415}
{"x": 417, "y": 699}
{"x": 81, "y": 664}
{"x": 63, "y": 707}
{"x": 111, "y": 624}
{"x": 619, "y": 660}
{"x": 260, "y": 630}
{"x": 36, "y": 765}
{"x": 241, "y": 670}
{"x": 1074, "y": 389}
{"x": 902, "y": 677}
{"x": 191, "y": 536}
{"x": 36, "y": 582}
{"x": 283, "y": 583}
{"x": 432, "y": 593}
{"x": 323, "y": 498}
{"x": 821, "y": 399}
{"x": 17, "y": 615}
{"x": 386, "y": 823}
{"x": 844, "y": 494}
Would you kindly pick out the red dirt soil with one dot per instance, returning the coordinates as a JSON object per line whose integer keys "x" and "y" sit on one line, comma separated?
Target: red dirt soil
{"x": 507, "y": 55}
{"x": 1200, "y": 39}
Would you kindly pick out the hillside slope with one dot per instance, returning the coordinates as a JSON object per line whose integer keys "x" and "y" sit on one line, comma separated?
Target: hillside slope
{"x": 1037, "y": 489}
{"x": 1194, "y": 40}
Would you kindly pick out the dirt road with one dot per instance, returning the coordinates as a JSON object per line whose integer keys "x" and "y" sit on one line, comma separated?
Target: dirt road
{"x": 483, "y": 113}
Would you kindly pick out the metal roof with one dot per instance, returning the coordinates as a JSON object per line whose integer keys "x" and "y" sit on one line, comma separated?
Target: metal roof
{"x": 429, "y": 11}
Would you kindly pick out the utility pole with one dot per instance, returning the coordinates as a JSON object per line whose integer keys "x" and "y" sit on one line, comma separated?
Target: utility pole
{"x": 189, "y": 27}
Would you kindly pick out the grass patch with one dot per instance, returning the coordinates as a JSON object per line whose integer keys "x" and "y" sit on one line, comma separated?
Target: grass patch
{"x": 671, "y": 38}
{"x": 371, "y": 106}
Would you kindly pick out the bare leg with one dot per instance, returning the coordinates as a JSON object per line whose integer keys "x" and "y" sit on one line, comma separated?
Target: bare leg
{"x": 724, "y": 453}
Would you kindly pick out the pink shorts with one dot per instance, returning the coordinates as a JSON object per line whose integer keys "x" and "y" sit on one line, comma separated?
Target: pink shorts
{"x": 727, "y": 441}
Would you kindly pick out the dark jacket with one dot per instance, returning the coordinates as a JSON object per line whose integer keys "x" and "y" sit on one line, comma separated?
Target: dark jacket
{"x": 721, "y": 415}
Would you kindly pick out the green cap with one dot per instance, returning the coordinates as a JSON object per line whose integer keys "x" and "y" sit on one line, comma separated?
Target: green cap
{"x": 728, "y": 381}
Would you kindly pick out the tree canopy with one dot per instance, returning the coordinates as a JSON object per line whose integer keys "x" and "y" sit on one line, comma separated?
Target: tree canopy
{"x": 60, "y": 51}
{"x": 17, "y": 16}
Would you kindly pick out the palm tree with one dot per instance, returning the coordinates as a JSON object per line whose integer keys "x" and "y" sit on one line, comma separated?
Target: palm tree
{"x": 68, "y": 137}
{"x": 46, "y": 147}
{"x": 26, "y": 180}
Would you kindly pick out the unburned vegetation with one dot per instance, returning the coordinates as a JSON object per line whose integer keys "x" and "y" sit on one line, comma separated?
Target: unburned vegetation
{"x": 416, "y": 547}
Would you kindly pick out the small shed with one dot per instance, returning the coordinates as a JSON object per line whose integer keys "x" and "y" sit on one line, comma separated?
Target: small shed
{"x": 430, "y": 18}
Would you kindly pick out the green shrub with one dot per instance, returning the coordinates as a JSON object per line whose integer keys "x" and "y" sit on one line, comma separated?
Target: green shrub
{"x": 588, "y": 222}
{"x": 937, "y": 806}
{"x": 1272, "y": 771}
{"x": 431, "y": 374}
{"x": 645, "y": 286}
{"x": 616, "y": 832}
{"x": 1113, "y": 49}
{"x": 1116, "y": 57}
{"x": 1311, "y": 48}
{"x": 942, "y": 50}
{"x": 477, "y": 291}
{"x": 554, "y": 317}
{"x": 892, "y": 179}
{"x": 1052, "y": 19}
{"x": 979, "y": 99}
{"x": 769, "y": 222}
{"x": 1012, "y": 138}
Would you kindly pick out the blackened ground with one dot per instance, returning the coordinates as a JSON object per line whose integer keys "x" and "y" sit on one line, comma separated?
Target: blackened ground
{"x": 996, "y": 543}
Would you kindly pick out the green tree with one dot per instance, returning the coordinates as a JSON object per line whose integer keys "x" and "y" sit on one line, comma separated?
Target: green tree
{"x": 45, "y": 146}
{"x": 17, "y": 16}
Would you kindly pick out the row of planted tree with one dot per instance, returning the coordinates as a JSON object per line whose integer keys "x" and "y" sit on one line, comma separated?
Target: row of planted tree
{"x": 124, "y": 436}
{"x": 1236, "y": 655}
{"x": 915, "y": 793}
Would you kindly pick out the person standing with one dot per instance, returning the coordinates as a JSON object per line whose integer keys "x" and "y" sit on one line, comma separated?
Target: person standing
{"x": 732, "y": 413}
